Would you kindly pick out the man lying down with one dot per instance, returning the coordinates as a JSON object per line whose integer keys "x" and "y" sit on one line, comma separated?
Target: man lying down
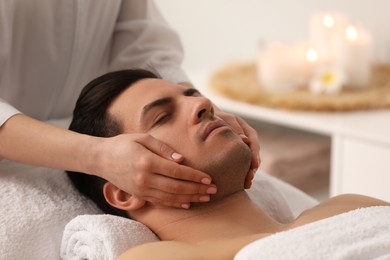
{"x": 184, "y": 119}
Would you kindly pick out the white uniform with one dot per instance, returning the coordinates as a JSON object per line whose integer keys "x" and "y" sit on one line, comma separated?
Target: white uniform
{"x": 49, "y": 49}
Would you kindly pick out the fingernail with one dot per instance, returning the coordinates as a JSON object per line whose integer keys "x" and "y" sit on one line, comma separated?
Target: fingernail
{"x": 204, "y": 198}
{"x": 176, "y": 156}
{"x": 254, "y": 171}
{"x": 205, "y": 181}
{"x": 185, "y": 206}
{"x": 243, "y": 136}
{"x": 211, "y": 190}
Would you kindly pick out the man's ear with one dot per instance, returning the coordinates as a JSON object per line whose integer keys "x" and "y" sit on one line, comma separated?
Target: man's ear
{"x": 121, "y": 199}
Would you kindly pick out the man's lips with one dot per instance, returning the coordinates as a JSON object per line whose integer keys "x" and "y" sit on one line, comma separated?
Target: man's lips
{"x": 210, "y": 127}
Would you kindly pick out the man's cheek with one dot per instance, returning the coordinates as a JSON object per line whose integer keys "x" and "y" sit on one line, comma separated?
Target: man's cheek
{"x": 170, "y": 138}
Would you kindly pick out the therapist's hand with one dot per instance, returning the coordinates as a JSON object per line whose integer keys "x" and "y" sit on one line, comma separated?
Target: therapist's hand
{"x": 249, "y": 136}
{"x": 149, "y": 169}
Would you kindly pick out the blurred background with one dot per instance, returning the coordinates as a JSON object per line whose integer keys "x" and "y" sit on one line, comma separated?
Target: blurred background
{"x": 217, "y": 32}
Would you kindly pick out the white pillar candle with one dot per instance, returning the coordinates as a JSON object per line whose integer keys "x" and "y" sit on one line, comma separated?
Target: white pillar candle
{"x": 284, "y": 67}
{"x": 355, "y": 53}
{"x": 325, "y": 32}
{"x": 306, "y": 58}
{"x": 277, "y": 70}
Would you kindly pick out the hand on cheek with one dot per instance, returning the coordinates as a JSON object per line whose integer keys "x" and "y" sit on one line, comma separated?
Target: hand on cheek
{"x": 156, "y": 175}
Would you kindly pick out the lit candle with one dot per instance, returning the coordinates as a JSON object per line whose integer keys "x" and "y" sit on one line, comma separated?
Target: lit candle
{"x": 311, "y": 55}
{"x": 306, "y": 61}
{"x": 277, "y": 70}
{"x": 283, "y": 68}
{"x": 325, "y": 31}
{"x": 355, "y": 56}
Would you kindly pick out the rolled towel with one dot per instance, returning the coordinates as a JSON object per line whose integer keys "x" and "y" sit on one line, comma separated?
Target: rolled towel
{"x": 102, "y": 237}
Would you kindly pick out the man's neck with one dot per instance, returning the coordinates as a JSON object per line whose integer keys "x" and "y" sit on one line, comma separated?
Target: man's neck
{"x": 233, "y": 216}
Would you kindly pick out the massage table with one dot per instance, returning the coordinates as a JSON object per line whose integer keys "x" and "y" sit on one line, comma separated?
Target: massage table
{"x": 43, "y": 216}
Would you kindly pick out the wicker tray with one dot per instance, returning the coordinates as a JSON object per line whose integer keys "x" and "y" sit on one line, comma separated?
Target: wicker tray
{"x": 239, "y": 82}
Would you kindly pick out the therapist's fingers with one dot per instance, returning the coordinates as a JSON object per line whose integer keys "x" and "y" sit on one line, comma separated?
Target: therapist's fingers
{"x": 167, "y": 168}
{"x": 161, "y": 198}
{"x": 177, "y": 171}
{"x": 180, "y": 187}
{"x": 249, "y": 177}
{"x": 139, "y": 164}
{"x": 254, "y": 165}
{"x": 171, "y": 183}
{"x": 252, "y": 141}
{"x": 158, "y": 147}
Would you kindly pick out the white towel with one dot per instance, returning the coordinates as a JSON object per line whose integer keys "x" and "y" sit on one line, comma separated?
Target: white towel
{"x": 35, "y": 205}
{"x": 358, "y": 234}
{"x": 102, "y": 237}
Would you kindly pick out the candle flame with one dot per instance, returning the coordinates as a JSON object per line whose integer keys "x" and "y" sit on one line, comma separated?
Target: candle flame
{"x": 311, "y": 55}
{"x": 351, "y": 33}
{"x": 328, "y": 21}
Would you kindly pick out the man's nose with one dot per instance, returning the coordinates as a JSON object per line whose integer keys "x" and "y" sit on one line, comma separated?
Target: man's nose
{"x": 202, "y": 108}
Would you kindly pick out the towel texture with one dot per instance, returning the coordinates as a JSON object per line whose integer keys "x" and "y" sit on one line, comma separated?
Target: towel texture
{"x": 36, "y": 204}
{"x": 359, "y": 234}
{"x": 102, "y": 237}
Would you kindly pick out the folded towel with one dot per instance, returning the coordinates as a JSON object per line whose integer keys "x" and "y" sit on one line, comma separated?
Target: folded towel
{"x": 359, "y": 234}
{"x": 102, "y": 237}
{"x": 35, "y": 205}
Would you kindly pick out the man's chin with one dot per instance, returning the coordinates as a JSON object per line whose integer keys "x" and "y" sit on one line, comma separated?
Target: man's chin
{"x": 228, "y": 168}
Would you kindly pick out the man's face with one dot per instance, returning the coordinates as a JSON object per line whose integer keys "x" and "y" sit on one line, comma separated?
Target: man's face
{"x": 184, "y": 119}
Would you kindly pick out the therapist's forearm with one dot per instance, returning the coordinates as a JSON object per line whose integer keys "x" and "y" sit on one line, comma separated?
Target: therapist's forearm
{"x": 29, "y": 141}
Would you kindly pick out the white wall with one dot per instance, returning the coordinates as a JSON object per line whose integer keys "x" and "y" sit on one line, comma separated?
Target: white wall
{"x": 216, "y": 31}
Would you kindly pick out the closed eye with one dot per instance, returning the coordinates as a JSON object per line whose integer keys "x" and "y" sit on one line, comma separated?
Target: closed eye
{"x": 162, "y": 118}
{"x": 166, "y": 115}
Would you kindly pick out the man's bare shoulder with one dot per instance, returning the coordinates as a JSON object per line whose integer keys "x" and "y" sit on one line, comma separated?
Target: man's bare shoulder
{"x": 213, "y": 249}
{"x": 163, "y": 250}
{"x": 337, "y": 205}
{"x": 353, "y": 201}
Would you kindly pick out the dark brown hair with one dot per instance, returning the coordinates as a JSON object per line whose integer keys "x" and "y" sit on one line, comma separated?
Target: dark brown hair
{"x": 90, "y": 117}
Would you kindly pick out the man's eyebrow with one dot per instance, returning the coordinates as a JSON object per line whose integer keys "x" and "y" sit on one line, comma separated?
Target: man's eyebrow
{"x": 156, "y": 103}
{"x": 190, "y": 91}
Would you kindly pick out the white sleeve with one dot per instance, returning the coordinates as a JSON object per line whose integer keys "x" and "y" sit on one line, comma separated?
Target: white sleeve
{"x": 6, "y": 111}
{"x": 6, "y": 10}
{"x": 143, "y": 39}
